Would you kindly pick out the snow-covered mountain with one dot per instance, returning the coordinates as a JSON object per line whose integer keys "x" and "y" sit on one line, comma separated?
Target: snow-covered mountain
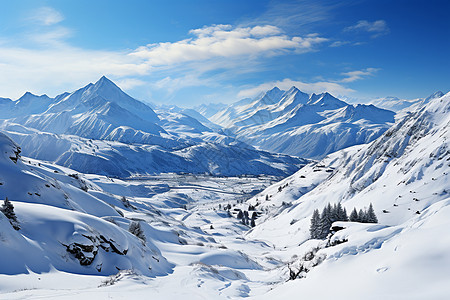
{"x": 296, "y": 123}
{"x": 396, "y": 104}
{"x": 174, "y": 235}
{"x": 210, "y": 109}
{"x": 93, "y": 111}
{"x": 100, "y": 129}
{"x": 405, "y": 175}
{"x": 162, "y": 235}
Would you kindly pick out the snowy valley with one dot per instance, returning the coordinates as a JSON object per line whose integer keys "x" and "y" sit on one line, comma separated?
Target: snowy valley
{"x": 114, "y": 199}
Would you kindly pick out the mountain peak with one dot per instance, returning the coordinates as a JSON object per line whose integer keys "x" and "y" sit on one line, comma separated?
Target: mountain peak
{"x": 437, "y": 94}
{"x": 29, "y": 95}
{"x": 293, "y": 89}
{"x": 274, "y": 89}
{"x": 274, "y": 92}
{"x": 105, "y": 81}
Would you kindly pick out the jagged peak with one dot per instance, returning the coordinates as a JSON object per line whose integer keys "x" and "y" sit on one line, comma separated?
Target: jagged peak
{"x": 293, "y": 90}
{"x": 274, "y": 89}
{"x": 29, "y": 94}
{"x": 436, "y": 94}
{"x": 274, "y": 92}
{"x": 104, "y": 81}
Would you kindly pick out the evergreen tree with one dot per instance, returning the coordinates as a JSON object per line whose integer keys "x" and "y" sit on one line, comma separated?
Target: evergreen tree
{"x": 135, "y": 228}
{"x": 240, "y": 215}
{"x": 341, "y": 213}
{"x": 314, "y": 229}
{"x": 246, "y": 218}
{"x": 361, "y": 216}
{"x": 344, "y": 215}
{"x": 354, "y": 215}
{"x": 333, "y": 213}
{"x": 325, "y": 221}
{"x": 8, "y": 210}
{"x": 371, "y": 217}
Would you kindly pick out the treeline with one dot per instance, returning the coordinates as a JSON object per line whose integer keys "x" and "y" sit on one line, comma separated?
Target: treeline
{"x": 321, "y": 222}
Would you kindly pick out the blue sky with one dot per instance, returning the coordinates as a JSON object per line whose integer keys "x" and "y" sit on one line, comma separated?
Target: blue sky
{"x": 192, "y": 52}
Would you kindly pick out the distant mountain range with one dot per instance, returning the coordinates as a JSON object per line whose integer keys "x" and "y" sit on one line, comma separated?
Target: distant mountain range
{"x": 295, "y": 123}
{"x": 396, "y": 104}
{"x": 100, "y": 129}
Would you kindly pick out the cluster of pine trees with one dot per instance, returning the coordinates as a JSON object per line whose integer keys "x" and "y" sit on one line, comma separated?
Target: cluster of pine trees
{"x": 364, "y": 216}
{"x": 321, "y": 222}
{"x": 245, "y": 219}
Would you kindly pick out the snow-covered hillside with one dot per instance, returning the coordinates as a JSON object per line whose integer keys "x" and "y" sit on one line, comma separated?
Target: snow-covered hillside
{"x": 185, "y": 227}
{"x": 296, "y": 123}
{"x": 64, "y": 227}
{"x": 405, "y": 174}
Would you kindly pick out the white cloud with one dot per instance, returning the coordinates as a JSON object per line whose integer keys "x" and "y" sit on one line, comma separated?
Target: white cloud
{"x": 339, "y": 44}
{"x": 56, "y": 69}
{"x": 220, "y": 41}
{"x": 307, "y": 87}
{"x": 130, "y": 83}
{"x": 47, "y": 16}
{"x": 265, "y": 30}
{"x": 45, "y": 62}
{"x": 378, "y": 27}
{"x": 357, "y": 75}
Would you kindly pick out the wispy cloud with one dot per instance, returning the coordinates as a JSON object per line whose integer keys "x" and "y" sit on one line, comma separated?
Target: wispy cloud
{"x": 46, "y": 16}
{"x": 339, "y": 44}
{"x": 358, "y": 75}
{"x": 297, "y": 15}
{"x": 376, "y": 28}
{"x": 307, "y": 87}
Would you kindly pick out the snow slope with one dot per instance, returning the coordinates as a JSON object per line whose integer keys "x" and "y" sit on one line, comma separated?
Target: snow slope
{"x": 63, "y": 227}
{"x": 404, "y": 173}
{"x": 296, "y": 123}
{"x": 211, "y": 254}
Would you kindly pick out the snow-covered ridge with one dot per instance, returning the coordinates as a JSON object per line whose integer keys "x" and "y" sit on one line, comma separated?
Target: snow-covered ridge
{"x": 405, "y": 174}
{"x": 100, "y": 129}
{"x": 410, "y": 160}
{"x": 174, "y": 229}
{"x": 295, "y": 123}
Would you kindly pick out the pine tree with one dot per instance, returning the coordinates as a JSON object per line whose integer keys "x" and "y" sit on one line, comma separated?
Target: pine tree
{"x": 341, "y": 213}
{"x": 135, "y": 228}
{"x": 240, "y": 215}
{"x": 8, "y": 210}
{"x": 361, "y": 216}
{"x": 314, "y": 229}
{"x": 246, "y": 218}
{"x": 370, "y": 215}
{"x": 354, "y": 215}
{"x": 333, "y": 213}
{"x": 344, "y": 215}
{"x": 325, "y": 221}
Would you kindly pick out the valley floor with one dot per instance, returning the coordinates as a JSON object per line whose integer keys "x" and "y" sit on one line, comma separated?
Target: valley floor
{"x": 217, "y": 262}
